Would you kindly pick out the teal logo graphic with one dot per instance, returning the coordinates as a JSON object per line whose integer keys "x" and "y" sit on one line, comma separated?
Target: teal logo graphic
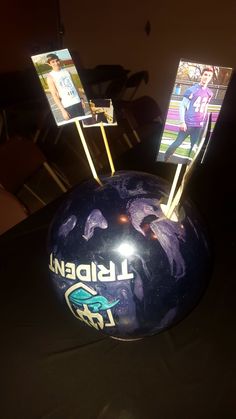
{"x": 94, "y": 302}
{"x": 87, "y": 305}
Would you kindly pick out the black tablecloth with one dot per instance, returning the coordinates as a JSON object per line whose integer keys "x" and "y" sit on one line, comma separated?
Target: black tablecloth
{"x": 53, "y": 366}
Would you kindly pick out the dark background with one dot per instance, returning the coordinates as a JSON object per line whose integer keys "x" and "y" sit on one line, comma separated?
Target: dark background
{"x": 105, "y": 33}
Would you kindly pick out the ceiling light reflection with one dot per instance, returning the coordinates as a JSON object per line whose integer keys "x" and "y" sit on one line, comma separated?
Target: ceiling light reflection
{"x": 126, "y": 249}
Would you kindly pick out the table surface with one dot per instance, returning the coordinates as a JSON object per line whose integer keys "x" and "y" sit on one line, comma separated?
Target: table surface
{"x": 53, "y": 366}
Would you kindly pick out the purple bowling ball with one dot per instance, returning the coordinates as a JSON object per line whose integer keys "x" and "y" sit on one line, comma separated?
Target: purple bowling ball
{"x": 118, "y": 264}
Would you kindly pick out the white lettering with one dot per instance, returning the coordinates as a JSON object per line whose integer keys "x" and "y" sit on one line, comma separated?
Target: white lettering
{"x": 51, "y": 263}
{"x": 70, "y": 270}
{"x": 125, "y": 274}
{"x": 59, "y": 266}
{"x": 107, "y": 275}
{"x": 94, "y": 272}
{"x": 90, "y": 272}
{"x": 83, "y": 272}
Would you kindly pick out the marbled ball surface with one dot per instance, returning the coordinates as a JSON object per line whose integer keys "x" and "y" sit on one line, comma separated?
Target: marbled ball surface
{"x": 119, "y": 264}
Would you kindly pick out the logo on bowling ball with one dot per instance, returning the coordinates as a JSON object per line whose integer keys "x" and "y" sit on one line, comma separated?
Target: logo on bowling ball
{"x": 87, "y": 305}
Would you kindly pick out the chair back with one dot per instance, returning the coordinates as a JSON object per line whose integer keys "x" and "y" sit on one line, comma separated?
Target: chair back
{"x": 19, "y": 159}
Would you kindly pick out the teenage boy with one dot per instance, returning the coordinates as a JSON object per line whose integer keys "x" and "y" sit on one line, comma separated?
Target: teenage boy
{"x": 193, "y": 111}
{"x": 63, "y": 90}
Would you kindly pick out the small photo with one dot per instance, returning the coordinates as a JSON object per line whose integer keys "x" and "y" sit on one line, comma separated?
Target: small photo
{"x": 196, "y": 99}
{"x": 102, "y": 111}
{"x": 62, "y": 86}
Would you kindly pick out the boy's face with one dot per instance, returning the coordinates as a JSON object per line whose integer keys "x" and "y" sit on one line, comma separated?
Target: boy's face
{"x": 206, "y": 77}
{"x": 55, "y": 64}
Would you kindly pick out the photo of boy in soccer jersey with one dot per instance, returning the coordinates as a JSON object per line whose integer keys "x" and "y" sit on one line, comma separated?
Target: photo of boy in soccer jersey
{"x": 193, "y": 110}
{"x": 199, "y": 94}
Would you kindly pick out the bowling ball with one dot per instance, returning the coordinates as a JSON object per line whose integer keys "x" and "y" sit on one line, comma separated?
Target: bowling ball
{"x": 118, "y": 264}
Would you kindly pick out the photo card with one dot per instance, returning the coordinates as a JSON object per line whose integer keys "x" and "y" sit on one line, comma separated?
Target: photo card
{"x": 199, "y": 91}
{"x": 62, "y": 86}
{"x": 102, "y": 111}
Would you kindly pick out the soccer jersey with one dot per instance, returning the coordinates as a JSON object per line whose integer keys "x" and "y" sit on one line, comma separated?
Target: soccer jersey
{"x": 198, "y": 97}
{"x": 65, "y": 87}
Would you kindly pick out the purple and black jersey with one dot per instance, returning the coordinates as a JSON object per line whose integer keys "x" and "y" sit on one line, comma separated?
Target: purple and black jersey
{"x": 199, "y": 98}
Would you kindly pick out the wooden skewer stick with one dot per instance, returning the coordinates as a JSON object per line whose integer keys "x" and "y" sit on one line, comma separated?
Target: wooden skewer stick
{"x": 176, "y": 199}
{"x": 107, "y": 149}
{"x": 173, "y": 187}
{"x": 89, "y": 158}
